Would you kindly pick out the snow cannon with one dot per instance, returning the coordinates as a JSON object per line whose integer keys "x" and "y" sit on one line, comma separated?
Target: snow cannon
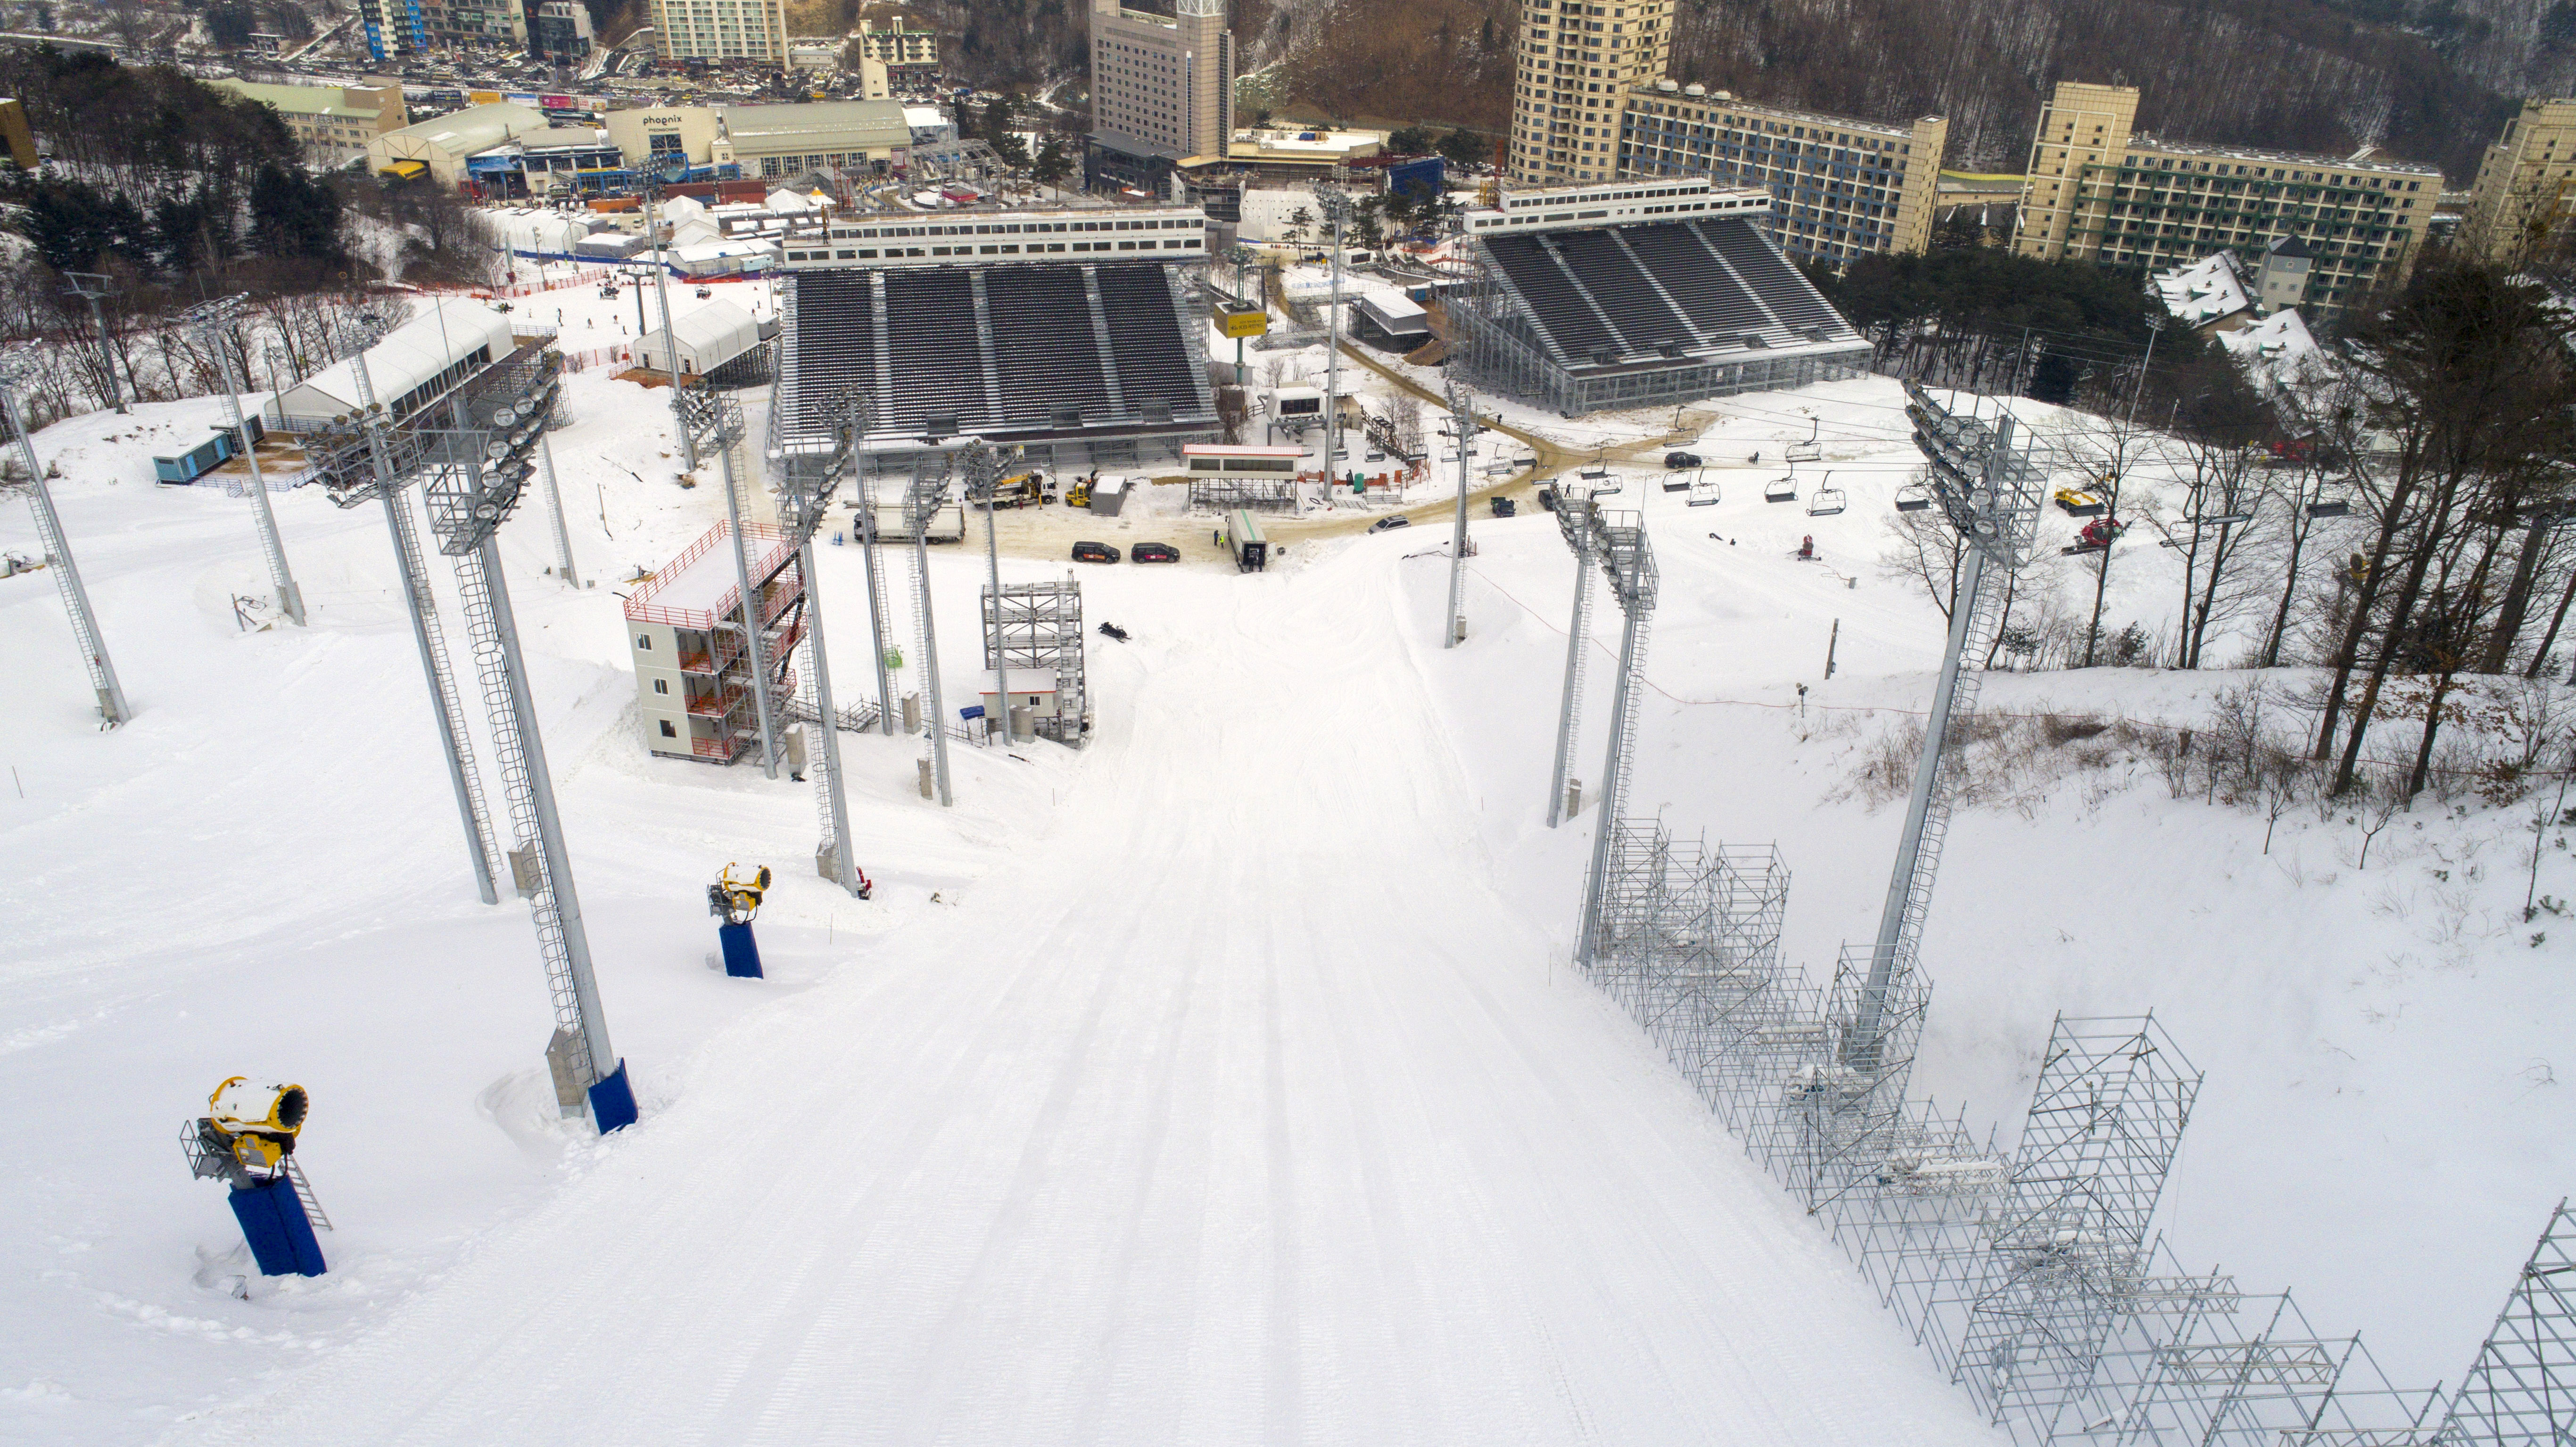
{"x": 247, "y": 1138}
{"x": 735, "y": 899}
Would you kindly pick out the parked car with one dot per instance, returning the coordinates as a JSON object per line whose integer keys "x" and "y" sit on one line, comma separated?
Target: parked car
{"x": 1390, "y": 524}
{"x": 1681, "y": 459}
{"x": 1504, "y": 507}
{"x": 1094, "y": 553}
{"x": 1153, "y": 553}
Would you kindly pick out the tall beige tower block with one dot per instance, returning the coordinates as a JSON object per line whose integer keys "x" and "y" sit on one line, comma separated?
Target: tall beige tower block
{"x": 1577, "y": 64}
{"x": 1167, "y": 81}
{"x": 2526, "y": 187}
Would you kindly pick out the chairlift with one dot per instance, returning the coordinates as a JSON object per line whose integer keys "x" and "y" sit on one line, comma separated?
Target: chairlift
{"x": 1678, "y": 480}
{"x": 1827, "y": 501}
{"x": 1781, "y": 489}
{"x": 1913, "y": 497}
{"x": 1813, "y": 449}
{"x": 2330, "y": 507}
{"x": 1704, "y": 490}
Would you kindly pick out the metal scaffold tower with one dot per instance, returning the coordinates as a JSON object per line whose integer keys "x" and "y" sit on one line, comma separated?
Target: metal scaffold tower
{"x": 363, "y": 457}
{"x": 724, "y": 434}
{"x": 1575, "y": 521}
{"x": 1628, "y": 560}
{"x": 923, "y": 497}
{"x": 112, "y": 707}
{"x": 213, "y": 323}
{"x": 474, "y": 476}
{"x": 2522, "y": 1390}
{"x": 1037, "y": 628}
{"x": 1336, "y": 203}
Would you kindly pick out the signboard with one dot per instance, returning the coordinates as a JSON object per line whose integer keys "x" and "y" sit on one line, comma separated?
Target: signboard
{"x": 482, "y": 97}
{"x": 1244, "y": 319}
{"x": 974, "y": 712}
{"x": 555, "y": 102}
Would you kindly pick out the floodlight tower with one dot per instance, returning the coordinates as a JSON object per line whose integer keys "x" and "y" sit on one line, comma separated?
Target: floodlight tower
{"x": 213, "y": 323}
{"x": 89, "y": 286}
{"x": 1628, "y": 560}
{"x": 1576, "y": 519}
{"x": 58, "y": 550}
{"x": 475, "y": 478}
{"x": 364, "y": 457}
{"x": 1990, "y": 490}
{"x": 983, "y": 477}
{"x": 669, "y": 173}
{"x": 1337, "y": 210}
{"x": 921, "y": 500}
{"x": 803, "y": 499}
{"x": 1464, "y": 417}
{"x": 555, "y": 507}
{"x": 864, "y": 527}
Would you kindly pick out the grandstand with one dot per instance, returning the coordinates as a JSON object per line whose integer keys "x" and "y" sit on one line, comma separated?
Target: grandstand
{"x": 1046, "y": 348}
{"x": 1640, "y": 292}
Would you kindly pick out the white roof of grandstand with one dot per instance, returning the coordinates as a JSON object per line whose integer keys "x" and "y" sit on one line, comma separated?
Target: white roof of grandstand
{"x": 2206, "y": 290}
{"x": 442, "y": 334}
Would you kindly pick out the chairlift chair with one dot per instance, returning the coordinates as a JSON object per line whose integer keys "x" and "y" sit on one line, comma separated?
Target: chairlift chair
{"x": 1813, "y": 449}
{"x": 1781, "y": 489}
{"x": 1704, "y": 490}
{"x": 2330, "y": 507}
{"x": 1827, "y": 501}
{"x": 1913, "y": 497}
{"x": 1677, "y": 480}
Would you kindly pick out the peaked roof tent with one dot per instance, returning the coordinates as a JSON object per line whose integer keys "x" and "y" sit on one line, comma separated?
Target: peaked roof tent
{"x": 709, "y": 336}
{"x": 412, "y": 355}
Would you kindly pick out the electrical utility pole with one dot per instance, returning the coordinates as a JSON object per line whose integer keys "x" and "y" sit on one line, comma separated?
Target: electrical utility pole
{"x": 1991, "y": 492}
{"x": 58, "y": 550}
{"x": 1463, "y": 417}
{"x": 213, "y": 323}
{"x": 89, "y": 286}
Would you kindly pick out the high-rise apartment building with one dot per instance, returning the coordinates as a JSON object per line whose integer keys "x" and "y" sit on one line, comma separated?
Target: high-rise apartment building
{"x": 906, "y": 51}
{"x": 1162, "y": 89}
{"x": 1591, "y": 103}
{"x": 502, "y": 23}
{"x": 719, "y": 30}
{"x": 1840, "y": 188}
{"x": 2526, "y": 187}
{"x": 393, "y": 27}
{"x": 1577, "y": 63}
{"x": 2098, "y": 191}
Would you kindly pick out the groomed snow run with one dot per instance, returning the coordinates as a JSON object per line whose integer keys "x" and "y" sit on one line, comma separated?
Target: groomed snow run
{"x": 1246, "y": 1112}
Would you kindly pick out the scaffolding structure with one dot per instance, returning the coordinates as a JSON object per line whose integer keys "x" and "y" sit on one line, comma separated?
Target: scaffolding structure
{"x": 1037, "y": 628}
{"x": 2522, "y": 1390}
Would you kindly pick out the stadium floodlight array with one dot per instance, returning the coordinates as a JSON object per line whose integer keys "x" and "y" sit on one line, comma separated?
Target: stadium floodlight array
{"x": 1628, "y": 561}
{"x": 922, "y": 499}
{"x": 475, "y": 475}
{"x": 112, "y": 706}
{"x": 363, "y": 456}
{"x": 213, "y": 322}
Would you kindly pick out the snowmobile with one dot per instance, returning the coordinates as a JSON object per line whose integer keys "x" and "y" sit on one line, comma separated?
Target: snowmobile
{"x": 1114, "y": 631}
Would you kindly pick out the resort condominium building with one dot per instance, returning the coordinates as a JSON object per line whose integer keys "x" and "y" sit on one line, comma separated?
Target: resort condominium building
{"x": 2096, "y": 190}
{"x": 2526, "y": 188}
{"x": 753, "y": 30}
{"x": 1577, "y": 63}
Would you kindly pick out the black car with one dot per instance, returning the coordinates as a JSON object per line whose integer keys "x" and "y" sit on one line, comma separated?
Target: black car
{"x": 1547, "y": 499}
{"x": 1094, "y": 553}
{"x": 1153, "y": 553}
{"x": 1681, "y": 459}
{"x": 1504, "y": 507}
{"x": 1390, "y": 524}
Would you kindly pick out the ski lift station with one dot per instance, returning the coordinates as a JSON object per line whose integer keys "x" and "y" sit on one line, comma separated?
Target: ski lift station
{"x": 693, "y": 674}
{"x": 415, "y": 364}
{"x": 701, "y": 342}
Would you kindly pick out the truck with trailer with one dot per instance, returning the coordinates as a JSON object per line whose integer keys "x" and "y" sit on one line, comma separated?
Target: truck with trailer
{"x": 946, "y": 524}
{"x": 1244, "y": 540}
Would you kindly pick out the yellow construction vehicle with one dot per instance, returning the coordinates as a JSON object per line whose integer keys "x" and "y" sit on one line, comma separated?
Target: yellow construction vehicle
{"x": 1079, "y": 495}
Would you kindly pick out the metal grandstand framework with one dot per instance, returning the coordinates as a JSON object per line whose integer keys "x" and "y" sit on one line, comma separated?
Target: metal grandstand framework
{"x": 1638, "y": 314}
{"x": 1095, "y": 355}
{"x": 2521, "y": 1392}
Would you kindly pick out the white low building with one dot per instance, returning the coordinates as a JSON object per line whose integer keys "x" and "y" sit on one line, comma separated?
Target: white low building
{"x": 713, "y": 334}
{"x": 416, "y": 364}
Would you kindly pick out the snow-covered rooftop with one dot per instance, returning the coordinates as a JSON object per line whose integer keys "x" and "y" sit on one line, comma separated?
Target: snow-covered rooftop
{"x": 2206, "y": 290}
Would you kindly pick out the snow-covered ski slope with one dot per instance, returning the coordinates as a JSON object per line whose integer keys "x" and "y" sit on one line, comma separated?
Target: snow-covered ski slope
{"x": 1239, "y": 1111}
{"x": 1232, "y": 1086}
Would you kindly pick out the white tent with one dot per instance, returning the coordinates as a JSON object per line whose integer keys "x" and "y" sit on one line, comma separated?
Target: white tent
{"x": 724, "y": 258}
{"x": 446, "y": 342}
{"x": 788, "y": 203}
{"x": 709, "y": 336}
{"x": 524, "y": 229}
